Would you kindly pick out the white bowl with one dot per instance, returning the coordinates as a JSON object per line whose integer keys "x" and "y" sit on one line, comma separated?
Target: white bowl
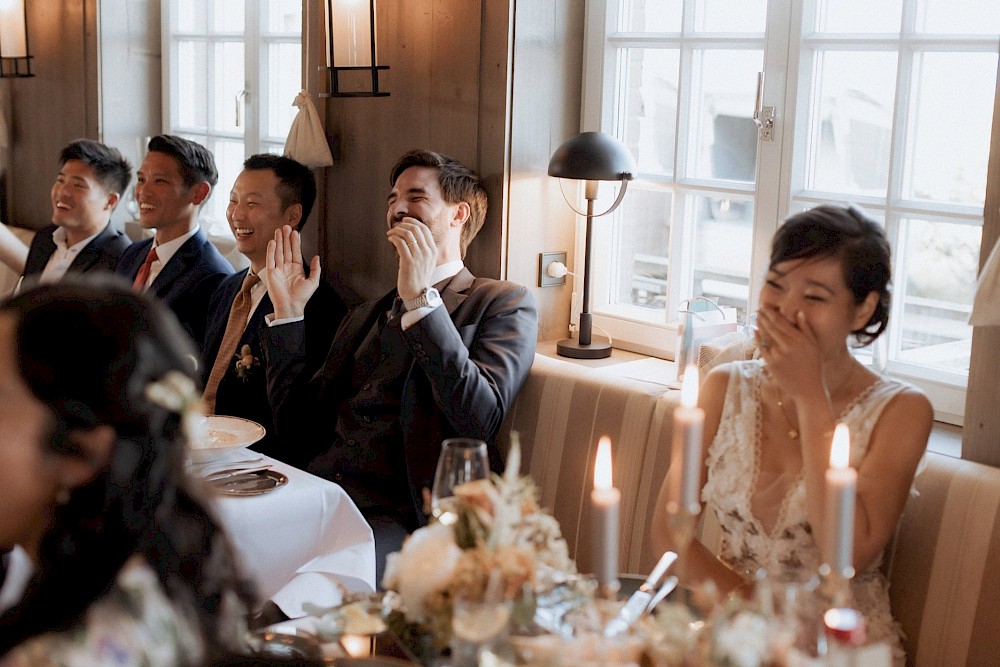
{"x": 223, "y": 435}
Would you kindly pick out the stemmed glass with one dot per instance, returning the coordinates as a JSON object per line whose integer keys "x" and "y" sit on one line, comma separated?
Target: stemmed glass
{"x": 462, "y": 460}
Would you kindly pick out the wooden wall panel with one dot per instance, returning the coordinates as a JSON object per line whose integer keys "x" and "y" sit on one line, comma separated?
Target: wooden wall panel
{"x": 52, "y": 108}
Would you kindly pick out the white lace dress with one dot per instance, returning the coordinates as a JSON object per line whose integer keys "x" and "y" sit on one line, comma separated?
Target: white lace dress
{"x": 733, "y": 470}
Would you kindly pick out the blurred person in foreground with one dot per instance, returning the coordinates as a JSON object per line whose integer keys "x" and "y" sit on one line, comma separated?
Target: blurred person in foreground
{"x": 118, "y": 561}
{"x": 769, "y": 422}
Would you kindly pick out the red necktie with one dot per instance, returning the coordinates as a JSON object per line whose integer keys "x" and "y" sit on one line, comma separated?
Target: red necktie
{"x": 239, "y": 312}
{"x": 139, "y": 284}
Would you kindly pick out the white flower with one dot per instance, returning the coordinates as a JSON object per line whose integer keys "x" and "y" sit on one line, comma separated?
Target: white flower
{"x": 425, "y": 565}
{"x": 742, "y": 640}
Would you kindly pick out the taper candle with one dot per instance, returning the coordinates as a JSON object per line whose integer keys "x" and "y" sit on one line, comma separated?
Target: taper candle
{"x": 841, "y": 488}
{"x": 605, "y": 499}
{"x": 688, "y": 422}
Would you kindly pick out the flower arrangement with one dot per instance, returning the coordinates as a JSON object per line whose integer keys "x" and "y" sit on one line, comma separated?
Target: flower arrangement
{"x": 500, "y": 542}
{"x": 245, "y": 361}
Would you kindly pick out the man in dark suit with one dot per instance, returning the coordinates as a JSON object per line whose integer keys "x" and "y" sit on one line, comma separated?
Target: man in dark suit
{"x": 271, "y": 191}
{"x": 91, "y": 181}
{"x": 450, "y": 364}
{"x": 179, "y": 264}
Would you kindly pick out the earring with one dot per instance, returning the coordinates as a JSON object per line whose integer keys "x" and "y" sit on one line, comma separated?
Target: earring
{"x": 62, "y": 496}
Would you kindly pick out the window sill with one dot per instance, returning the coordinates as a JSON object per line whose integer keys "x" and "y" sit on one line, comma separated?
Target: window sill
{"x": 944, "y": 439}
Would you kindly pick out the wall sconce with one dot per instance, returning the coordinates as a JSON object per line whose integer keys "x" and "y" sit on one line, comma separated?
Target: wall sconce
{"x": 351, "y": 48}
{"x": 591, "y": 157}
{"x": 15, "y": 61}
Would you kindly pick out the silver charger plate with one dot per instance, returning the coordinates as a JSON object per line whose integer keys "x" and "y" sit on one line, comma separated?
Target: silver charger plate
{"x": 250, "y": 484}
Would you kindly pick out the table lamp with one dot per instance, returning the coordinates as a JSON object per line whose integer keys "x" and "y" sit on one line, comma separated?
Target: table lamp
{"x": 591, "y": 157}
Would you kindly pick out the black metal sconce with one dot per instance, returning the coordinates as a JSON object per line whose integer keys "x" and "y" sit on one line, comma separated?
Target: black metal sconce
{"x": 15, "y": 59}
{"x": 351, "y": 49}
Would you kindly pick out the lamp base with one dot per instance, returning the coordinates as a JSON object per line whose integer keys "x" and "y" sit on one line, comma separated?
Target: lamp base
{"x": 571, "y": 347}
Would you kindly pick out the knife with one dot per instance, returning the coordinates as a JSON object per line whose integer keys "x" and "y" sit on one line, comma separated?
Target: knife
{"x": 669, "y": 584}
{"x": 638, "y": 602}
{"x": 233, "y": 472}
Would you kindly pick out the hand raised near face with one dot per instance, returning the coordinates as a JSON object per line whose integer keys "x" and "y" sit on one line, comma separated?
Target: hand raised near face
{"x": 418, "y": 253}
{"x": 791, "y": 350}
{"x": 287, "y": 284}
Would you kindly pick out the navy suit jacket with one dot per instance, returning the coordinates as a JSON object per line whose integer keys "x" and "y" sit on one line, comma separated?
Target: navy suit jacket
{"x": 101, "y": 254}
{"x": 468, "y": 360}
{"x": 186, "y": 282}
{"x": 246, "y": 396}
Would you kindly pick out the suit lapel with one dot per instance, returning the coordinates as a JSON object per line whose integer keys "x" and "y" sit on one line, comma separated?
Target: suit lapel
{"x": 89, "y": 256}
{"x": 177, "y": 265}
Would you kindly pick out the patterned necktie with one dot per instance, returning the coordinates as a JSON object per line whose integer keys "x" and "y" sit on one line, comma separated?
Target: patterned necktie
{"x": 237, "y": 322}
{"x": 139, "y": 284}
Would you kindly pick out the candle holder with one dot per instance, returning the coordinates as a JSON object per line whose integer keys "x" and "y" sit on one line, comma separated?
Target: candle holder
{"x": 835, "y": 585}
{"x": 682, "y": 521}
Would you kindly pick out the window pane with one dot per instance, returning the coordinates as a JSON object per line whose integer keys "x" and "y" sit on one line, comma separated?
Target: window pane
{"x": 284, "y": 80}
{"x": 651, "y": 15}
{"x": 722, "y": 134}
{"x": 976, "y": 17}
{"x": 192, "y": 16}
{"x": 227, "y": 16}
{"x": 859, "y": 16}
{"x": 284, "y": 16}
{"x": 229, "y": 81}
{"x": 192, "y": 85}
{"x": 730, "y": 16}
{"x": 942, "y": 260}
{"x": 851, "y": 130}
{"x": 229, "y": 156}
{"x": 722, "y": 245}
{"x": 950, "y": 118}
{"x": 643, "y": 227}
{"x": 650, "y": 115}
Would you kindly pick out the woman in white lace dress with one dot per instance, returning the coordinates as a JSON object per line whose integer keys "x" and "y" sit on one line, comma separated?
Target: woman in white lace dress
{"x": 769, "y": 422}
{"x": 122, "y": 564}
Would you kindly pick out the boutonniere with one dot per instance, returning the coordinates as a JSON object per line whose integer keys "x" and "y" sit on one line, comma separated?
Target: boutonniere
{"x": 245, "y": 361}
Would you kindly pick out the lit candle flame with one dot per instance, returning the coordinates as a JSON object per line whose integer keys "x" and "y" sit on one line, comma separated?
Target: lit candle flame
{"x": 841, "y": 448}
{"x": 689, "y": 387}
{"x": 602, "y": 467}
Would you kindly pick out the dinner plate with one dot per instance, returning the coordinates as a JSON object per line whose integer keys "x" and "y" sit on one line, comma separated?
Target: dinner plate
{"x": 250, "y": 484}
{"x": 224, "y": 435}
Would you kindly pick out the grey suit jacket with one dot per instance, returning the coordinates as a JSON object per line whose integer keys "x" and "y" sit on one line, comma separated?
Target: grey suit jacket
{"x": 469, "y": 360}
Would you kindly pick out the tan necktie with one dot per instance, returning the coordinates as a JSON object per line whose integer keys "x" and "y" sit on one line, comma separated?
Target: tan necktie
{"x": 238, "y": 314}
{"x": 139, "y": 284}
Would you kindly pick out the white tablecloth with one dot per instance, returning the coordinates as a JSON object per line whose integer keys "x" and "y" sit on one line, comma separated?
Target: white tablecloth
{"x": 301, "y": 542}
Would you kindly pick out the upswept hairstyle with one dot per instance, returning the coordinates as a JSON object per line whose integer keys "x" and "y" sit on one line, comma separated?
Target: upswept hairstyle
{"x": 140, "y": 501}
{"x": 109, "y": 165}
{"x": 849, "y": 235}
{"x": 458, "y": 183}
{"x": 296, "y": 184}
{"x": 197, "y": 162}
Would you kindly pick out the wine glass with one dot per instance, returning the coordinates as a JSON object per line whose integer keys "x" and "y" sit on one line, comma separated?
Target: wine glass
{"x": 462, "y": 460}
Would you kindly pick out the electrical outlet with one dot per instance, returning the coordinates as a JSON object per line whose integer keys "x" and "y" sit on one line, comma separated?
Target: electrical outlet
{"x": 544, "y": 259}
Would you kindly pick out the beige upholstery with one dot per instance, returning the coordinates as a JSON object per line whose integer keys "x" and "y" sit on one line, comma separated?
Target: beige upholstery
{"x": 560, "y": 414}
{"x": 944, "y": 567}
{"x": 9, "y": 276}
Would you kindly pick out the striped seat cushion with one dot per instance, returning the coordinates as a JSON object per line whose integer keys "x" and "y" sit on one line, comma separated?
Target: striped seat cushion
{"x": 944, "y": 569}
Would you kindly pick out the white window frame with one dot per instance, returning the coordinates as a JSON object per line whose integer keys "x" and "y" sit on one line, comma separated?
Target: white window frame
{"x": 254, "y": 107}
{"x": 630, "y": 327}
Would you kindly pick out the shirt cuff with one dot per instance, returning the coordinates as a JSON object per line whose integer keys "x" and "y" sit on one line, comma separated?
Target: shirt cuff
{"x": 411, "y": 317}
{"x": 271, "y": 322}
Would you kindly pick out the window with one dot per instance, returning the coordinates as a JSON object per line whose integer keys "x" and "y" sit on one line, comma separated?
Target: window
{"x": 887, "y": 105}
{"x": 231, "y": 71}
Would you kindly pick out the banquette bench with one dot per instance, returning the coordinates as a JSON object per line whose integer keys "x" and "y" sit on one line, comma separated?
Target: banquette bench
{"x": 943, "y": 566}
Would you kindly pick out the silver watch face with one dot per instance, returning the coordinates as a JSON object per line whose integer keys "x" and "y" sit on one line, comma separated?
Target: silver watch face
{"x": 429, "y": 297}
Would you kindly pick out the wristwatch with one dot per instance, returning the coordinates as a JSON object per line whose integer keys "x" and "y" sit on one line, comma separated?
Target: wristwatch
{"x": 429, "y": 297}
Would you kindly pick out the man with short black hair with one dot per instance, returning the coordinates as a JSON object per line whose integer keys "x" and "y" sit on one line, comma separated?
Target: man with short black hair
{"x": 270, "y": 192}
{"x": 91, "y": 181}
{"x": 179, "y": 264}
